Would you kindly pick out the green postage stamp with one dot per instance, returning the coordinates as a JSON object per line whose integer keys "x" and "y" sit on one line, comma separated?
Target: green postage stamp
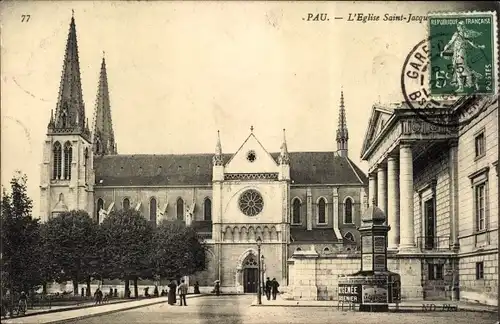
{"x": 463, "y": 53}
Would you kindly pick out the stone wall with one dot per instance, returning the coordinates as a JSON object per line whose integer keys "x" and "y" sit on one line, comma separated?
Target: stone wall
{"x": 314, "y": 277}
{"x": 479, "y": 290}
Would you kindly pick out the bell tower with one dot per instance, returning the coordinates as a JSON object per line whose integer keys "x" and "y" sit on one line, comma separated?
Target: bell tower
{"x": 66, "y": 170}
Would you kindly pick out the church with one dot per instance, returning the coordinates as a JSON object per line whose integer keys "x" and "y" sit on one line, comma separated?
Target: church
{"x": 289, "y": 201}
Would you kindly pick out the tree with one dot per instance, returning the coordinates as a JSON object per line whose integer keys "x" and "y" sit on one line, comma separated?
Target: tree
{"x": 20, "y": 236}
{"x": 70, "y": 242}
{"x": 127, "y": 236}
{"x": 177, "y": 250}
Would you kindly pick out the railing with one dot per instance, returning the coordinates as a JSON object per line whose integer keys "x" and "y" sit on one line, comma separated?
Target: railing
{"x": 433, "y": 243}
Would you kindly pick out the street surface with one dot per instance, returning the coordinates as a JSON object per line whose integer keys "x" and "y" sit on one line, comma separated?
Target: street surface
{"x": 237, "y": 309}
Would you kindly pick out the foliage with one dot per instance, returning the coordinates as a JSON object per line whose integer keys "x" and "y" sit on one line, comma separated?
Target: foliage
{"x": 20, "y": 239}
{"x": 71, "y": 246}
{"x": 126, "y": 237}
{"x": 177, "y": 250}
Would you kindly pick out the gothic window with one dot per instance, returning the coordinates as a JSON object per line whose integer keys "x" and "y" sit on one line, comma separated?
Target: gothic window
{"x": 86, "y": 161}
{"x": 321, "y": 211}
{"x": 180, "y": 209}
{"x": 250, "y": 262}
{"x": 251, "y": 202}
{"x": 348, "y": 211}
{"x": 57, "y": 163}
{"x": 152, "y": 210}
{"x": 349, "y": 237}
{"x": 296, "y": 211}
{"x": 68, "y": 154}
{"x": 100, "y": 205}
{"x": 126, "y": 204}
{"x": 207, "y": 209}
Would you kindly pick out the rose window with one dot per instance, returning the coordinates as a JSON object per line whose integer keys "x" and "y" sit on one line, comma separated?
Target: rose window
{"x": 251, "y": 202}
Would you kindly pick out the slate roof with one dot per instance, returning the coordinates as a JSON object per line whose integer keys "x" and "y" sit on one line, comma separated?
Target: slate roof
{"x": 196, "y": 169}
{"x": 314, "y": 235}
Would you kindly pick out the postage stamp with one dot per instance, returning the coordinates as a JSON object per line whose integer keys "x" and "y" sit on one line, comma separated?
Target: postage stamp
{"x": 463, "y": 53}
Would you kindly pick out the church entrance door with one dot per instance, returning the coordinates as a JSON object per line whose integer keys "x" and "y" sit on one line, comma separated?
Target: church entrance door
{"x": 250, "y": 276}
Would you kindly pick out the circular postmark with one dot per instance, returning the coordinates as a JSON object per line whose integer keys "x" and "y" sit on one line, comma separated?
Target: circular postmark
{"x": 418, "y": 76}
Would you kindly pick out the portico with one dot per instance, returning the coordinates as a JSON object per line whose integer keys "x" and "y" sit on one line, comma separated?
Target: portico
{"x": 398, "y": 142}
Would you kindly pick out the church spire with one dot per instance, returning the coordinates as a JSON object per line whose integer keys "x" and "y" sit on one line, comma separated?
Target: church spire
{"x": 342, "y": 133}
{"x": 104, "y": 138}
{"x": 217, "y": 159}
{"x": 284, "y": 158}
{"x": 70, "y": 109}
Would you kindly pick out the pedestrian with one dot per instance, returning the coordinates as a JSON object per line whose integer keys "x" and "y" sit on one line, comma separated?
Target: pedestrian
{"x": 155, "y": 292}
{"x": 82, "y": 292}
{"x": 274, "y": 288}
{"x": 217, "y": 288}
{"x": 183, "y": 289}
{"x": 172, "y": 299}
{"x": 196, "y": 288}
{"x": 268, "y": 288}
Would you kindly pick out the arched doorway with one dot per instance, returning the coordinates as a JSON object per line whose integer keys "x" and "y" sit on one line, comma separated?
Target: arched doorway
{"x": 250, "y": 274}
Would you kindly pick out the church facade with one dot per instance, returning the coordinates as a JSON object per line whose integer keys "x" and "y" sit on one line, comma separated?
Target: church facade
{"x": 288, "y": 200}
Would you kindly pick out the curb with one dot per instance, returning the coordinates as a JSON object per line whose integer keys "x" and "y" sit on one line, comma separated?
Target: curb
{"x": 409, "y": 308}
{"x": 118, "y": 310}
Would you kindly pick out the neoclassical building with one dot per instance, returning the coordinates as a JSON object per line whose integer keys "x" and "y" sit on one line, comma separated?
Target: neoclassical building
{"x": 291, "y": 200}
{"x": 438, "y": 186}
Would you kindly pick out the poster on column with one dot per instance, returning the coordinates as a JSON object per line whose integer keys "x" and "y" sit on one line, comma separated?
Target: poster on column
{"x": 367, "y": 244}
{"x": 379, "y": 244}
{"x": 379, "y": 262}
{"x": 367, "y": 262}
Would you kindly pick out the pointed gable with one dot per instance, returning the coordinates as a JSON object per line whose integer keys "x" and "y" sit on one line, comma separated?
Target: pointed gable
{"x": 378, "y": 120}
{"x": 251, "y": 157}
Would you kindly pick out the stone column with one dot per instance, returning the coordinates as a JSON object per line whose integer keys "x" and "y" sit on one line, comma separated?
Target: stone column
{"x": 393, "y": 202}
{"x": 372, "y": 188}
{"x": 407, "y": 239}
{"x": 335, "y": 213}
{"x": 382, "y": 189}
{"x": 453, "y": 169}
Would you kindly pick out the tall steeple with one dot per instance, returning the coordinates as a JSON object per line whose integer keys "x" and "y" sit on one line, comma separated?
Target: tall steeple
{"x": 217, "y": 159}
{"x": 70, "y": 109}
{"x": 104, "y": 137}
{"x": 284, "y": 158}
{"x": 342, "y": 133}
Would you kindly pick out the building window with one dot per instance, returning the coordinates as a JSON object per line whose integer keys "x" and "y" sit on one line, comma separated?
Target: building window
{"x": 126, "y": 204}
{"x": 68, "y": 154}
{"x": 100, "y": 205}
{"x": 152, "y": 210}
{"x": 348, "y": 211}
{"x": 435, "y": 271}
{"x": 57, "y": 163}
{"x": 480, "y": 145}
{"x": 180, "y": 209}
{"x": 480, "y": 204}
{"x": 321, "y": 211}
{"x": 479, "y": 270}
{"x": 296, "y": 211}
{"x": 349, "y": 237}
{"x": 207, "y": 209}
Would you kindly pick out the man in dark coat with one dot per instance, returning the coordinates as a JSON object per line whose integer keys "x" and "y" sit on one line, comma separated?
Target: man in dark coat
{"x": 274, "y": 288}
{"x": 268, "y": 288}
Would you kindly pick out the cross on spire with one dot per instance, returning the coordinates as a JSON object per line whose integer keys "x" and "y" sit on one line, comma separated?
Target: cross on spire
{"x": 251, "y": 129}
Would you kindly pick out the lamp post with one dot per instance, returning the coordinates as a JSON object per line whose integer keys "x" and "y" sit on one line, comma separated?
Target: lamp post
{"x": 262, "y": 282}
{"x": 259, "y": 293}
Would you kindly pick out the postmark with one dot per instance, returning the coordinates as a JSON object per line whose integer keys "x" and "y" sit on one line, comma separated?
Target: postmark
{"x": 463, "y": 51}
{"x": 416, "y": 84}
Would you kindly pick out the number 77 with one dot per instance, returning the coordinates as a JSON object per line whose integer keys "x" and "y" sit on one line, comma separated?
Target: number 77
{"x": 25, "y": 18}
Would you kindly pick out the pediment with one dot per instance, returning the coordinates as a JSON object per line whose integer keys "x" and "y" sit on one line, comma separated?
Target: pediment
{"x": 251, "y": 157}
{"x": 378, "y": 121}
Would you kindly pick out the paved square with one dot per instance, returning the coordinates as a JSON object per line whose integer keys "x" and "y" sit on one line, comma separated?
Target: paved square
{"x": 237, "y": 309}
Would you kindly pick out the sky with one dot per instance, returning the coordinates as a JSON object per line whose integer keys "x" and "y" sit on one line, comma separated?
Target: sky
{"x": 180, "y": 71}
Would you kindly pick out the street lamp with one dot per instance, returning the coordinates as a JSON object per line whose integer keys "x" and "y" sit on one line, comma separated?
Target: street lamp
{"x": 259, "y": 293}
{"x": 262, "y": 274}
